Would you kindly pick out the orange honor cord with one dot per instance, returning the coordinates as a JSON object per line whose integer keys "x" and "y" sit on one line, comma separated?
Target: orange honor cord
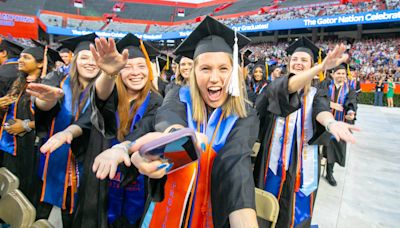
{"x": 148, "y": 63}
{"x": 300, "y": 152}
{"x": 46, "y": 164}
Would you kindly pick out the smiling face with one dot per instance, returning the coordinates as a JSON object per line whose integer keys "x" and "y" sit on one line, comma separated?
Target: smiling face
{"x": 339, "y": 76}
{"x": 86, "y": 65}
{"x": 212, "y": 71}
{"x": 299, "y": 62}
{"x": 276, "y": 73}
{"x": 27, "y": 63}
{"x": 135, "y": 74}
{"x": 65, "y": 56}
{"x": 185, "y": 66}
{"x": 258, "y": 74}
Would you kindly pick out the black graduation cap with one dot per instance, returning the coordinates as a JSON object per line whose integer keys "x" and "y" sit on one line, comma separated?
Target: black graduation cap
{"x": 38, "y": 52}
{"x": 13, "y": 48}
{"x": 79, "y": 43}
{"x": 177, "y": 59}
{"x": 340, "y": 67}
{"x": 247, "y": 53}
{"x": 132, "y": 44}
{"x": 351, "y": 67}
{"x": 210, "y": 36}
{"x": 303, "y": 44}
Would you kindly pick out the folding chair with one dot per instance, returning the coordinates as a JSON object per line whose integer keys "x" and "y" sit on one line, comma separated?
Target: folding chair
{"x": 8, "y": 181}
{"x": 42, "y": 223}
{"x": 267, "y": 206}
{"x": 16, "y": 210}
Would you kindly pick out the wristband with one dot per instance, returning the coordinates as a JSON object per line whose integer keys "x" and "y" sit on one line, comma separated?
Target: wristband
{"x": 329, "y": 124}
{"x": 125, "y": 148}
{"x": 25, "y": 125}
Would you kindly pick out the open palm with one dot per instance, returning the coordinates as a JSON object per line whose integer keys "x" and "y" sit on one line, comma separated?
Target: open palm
{"x": 335, "y": 57}
{"x": 107, "y": 57}
{"x": 44, "y": 92}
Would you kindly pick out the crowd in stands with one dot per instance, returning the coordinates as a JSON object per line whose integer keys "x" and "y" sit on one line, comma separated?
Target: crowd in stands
{"x": 372, "y": 57}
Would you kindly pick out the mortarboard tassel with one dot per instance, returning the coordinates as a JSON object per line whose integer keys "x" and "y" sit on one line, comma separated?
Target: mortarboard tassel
{"x": 148, "y": 63}
{"x": 321, "y": 75}
{"x": 167, "y": 66}
{"x": 348, "y": 72}
{"x": 233, "y": 87}
{"x": 266, "y": 70}
{"x": 45, "y": 63}
{"x": 158, "y": 66}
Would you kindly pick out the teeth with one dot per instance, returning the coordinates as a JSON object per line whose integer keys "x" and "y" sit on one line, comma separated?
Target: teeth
{"x": 214, "y": 88}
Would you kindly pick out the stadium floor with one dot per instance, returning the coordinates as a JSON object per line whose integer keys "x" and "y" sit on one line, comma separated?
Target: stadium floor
{"x": 367, "y": 194}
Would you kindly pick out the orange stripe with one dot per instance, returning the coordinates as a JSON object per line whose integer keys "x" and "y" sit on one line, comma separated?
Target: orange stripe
{"x": 284, "y": 157}
{"x": 300, "y": 152}
{"x": 46, "y": 164}
{"x": 293, "y": 209}
{"x": 66, "y": 180}
{"x": 2, "y": 124}
{"x": 73, "y": 184}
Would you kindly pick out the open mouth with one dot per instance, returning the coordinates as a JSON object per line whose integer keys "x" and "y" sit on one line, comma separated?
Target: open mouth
{"x": 136, "y": 80}
{"x": 214, "y": 93}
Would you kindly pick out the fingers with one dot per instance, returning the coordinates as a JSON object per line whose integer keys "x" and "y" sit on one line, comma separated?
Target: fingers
{"x": 105, "y": 45}
{"x": 113, "y": 171}
{"x": 354, "y": 128}
{"x": 150, "y": 169}
{"x": 99, "y": 47}
{"x": 125, "y": 54}
{"x": 94, "y": 52}
{"x": 112, "y": 46}
{"x": 127, "y": 159}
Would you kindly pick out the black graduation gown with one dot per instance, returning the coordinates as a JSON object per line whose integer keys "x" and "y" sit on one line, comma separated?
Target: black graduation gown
{"x": 23, "y": 165}
{"x": 232, "y": 186}
{"x": 273, "y": 102}
{"x": 92, "y": 207}
{"x": 8, "y": 74}
{"x": 171, "y": 86}
{"x": 336, "y": 151}
{"x": 162, "y": 84}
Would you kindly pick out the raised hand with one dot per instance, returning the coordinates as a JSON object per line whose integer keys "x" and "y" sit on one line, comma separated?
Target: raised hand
{"x": 56, "y": 141}
{"x": 107, "y": 57}
{"x": 44, "y": 92}
{"x": 336, "y": 106}
{"x": 335, "y": 57}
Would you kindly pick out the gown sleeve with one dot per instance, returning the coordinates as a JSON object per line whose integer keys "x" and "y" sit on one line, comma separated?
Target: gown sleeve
{"x": 275, "y": 98}
{"x": 172, "y": 111}
{"x": 351, "y": 101}
{"x": 232, "y": 184}
{"x": 320, "y": 104}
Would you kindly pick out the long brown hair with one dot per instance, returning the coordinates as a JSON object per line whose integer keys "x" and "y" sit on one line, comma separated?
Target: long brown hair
{"x": 77, "y": 87}
{"x": 124, "y": 113}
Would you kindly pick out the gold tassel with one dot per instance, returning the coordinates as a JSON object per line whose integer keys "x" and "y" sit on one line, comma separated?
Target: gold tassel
{"x": 167, "y": 66}
{"x": 148, "y": 63}
{"x": 348, "y": 72}
{"x": 266, "y": 71}
{"x": 321, "y": 74}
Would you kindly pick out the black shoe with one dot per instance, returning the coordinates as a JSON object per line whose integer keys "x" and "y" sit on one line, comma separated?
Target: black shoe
{"x": 331, "y": 180}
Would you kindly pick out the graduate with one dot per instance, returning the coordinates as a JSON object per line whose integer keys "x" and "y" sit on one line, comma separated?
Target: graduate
{"x": 183, "y": 70}
{"x": 9, "y": 53}
{"x": 343, "y": 104}
{"x": 162, "y": 65}
{"x": 293, "y": 118}
{"x": 66, "y": 56}
{"x": 219, "y": 187}
{"x": 259, "y": 80}
{"x": 17, "y": 132}
{"x": 60, "y": 100}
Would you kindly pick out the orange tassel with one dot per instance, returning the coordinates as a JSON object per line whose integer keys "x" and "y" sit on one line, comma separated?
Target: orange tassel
{"x": 146, "y": 56}
{"x": 321, "y": 74}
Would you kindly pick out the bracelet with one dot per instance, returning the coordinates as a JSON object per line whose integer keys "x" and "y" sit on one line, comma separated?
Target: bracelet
{"x": 25, "y": 125}
{"x": 125, "y": 148}
{"x": 329, "y": 124}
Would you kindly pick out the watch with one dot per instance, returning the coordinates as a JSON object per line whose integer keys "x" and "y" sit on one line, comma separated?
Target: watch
{"x": 25, "y": 125}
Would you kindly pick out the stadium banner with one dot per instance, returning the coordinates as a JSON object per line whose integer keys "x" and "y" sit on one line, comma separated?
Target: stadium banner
{"x": 18, "y": 25}
{"x": 325, "y": 21}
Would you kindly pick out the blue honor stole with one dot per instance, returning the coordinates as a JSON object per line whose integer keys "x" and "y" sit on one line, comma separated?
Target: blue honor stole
{"x": 129, "y": 201}
{"x": 341, "y": 99}
{"x": 55, "y": 168}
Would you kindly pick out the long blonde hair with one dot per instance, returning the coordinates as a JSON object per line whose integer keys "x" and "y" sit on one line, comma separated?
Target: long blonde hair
{"x": 232, "y": 106}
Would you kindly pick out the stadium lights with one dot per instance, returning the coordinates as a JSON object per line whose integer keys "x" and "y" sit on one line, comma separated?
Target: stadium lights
{"x": 78, "y": 3}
